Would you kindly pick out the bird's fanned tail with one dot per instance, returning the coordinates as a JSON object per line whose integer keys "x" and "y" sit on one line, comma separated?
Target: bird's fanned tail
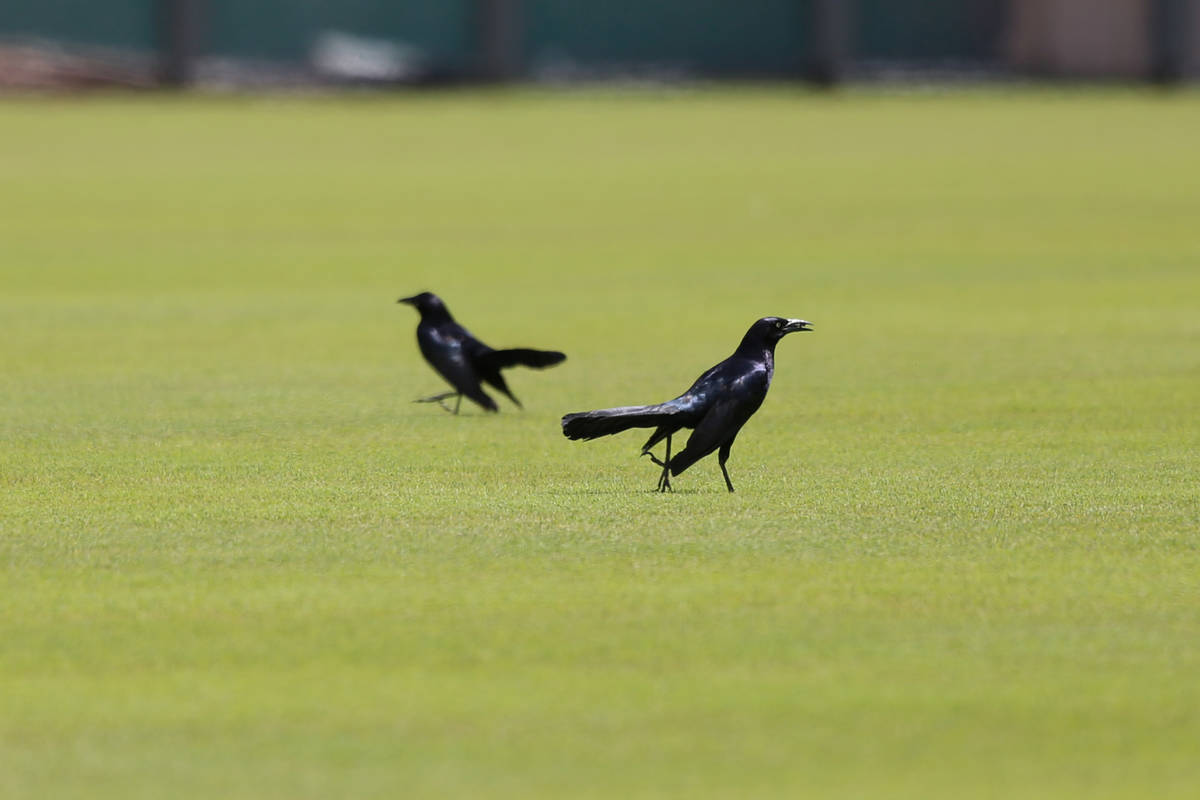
{"x": 520, "y": 356}
{"x": 607, "y": 421}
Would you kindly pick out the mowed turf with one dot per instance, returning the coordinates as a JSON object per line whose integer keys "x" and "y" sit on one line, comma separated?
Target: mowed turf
{"x": 962, "y": 560}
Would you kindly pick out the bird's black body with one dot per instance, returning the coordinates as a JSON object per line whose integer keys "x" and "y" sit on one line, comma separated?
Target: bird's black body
{"x": 716, "y": 406}
{"x": 464, "y": 361}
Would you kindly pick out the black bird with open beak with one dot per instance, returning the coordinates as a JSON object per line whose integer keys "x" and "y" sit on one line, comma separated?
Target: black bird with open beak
{"x": 716, "y": 406}
{"x": 464, "y": 361}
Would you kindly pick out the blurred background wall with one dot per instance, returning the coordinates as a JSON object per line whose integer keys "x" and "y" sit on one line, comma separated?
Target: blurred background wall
{"x": 407, "y": 41}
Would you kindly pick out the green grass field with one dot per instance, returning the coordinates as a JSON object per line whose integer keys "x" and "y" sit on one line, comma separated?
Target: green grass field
{"x": 964, "y": 555}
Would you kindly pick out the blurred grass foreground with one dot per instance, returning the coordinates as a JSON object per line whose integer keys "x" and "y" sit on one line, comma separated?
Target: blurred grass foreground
{"x": 962, "y": 560}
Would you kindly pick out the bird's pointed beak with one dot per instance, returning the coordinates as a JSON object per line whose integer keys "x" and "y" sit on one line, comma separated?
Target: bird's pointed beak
{"x": 794, "y": 325}
{"x": 410, "y": 300}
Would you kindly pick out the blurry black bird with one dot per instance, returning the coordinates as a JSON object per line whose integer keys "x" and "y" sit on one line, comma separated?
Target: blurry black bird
{"x": 716, "y": 406}
{"x": 463, "y": 360}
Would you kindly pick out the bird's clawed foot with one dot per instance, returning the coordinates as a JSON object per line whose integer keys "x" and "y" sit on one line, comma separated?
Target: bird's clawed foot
{"x": 440, "y": 399}
{"x": 664, "y": 479}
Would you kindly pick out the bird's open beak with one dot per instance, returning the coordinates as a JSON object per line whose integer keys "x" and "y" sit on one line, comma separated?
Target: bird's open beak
{"x": 794, "y": 325}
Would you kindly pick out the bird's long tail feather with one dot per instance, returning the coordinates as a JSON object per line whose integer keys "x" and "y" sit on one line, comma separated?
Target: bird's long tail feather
{"x": 607, "y": 421}
{"x": 521, "y": 356}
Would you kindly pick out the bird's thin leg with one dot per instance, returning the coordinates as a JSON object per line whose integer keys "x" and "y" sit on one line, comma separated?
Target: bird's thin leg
{"x": 664, "y": 481}
{"x": 722, "y": 457}
{"x": 725, "y": 472}
{"x": 440, "y": 400}
{"x": 458, "y": 402}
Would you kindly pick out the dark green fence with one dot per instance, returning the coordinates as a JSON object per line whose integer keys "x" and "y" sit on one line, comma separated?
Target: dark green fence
{"x": 753, "y": 37}
{"x": 126, "y": 24}
{"x": 707, "y": 37}
{"x": 930, "y": 30}
{"x": 286, "y": 29}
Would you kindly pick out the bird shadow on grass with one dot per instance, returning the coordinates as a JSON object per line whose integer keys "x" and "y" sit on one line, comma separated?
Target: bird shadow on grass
{"x": 624, "y": 492}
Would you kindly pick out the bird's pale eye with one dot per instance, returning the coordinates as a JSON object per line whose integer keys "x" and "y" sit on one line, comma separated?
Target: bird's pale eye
{"x": 779, "y": 324}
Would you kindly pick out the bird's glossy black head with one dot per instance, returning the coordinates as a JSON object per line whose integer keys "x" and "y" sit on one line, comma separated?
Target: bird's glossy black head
{"x": 773, "y": 329}
{"x": 766, "y": 333}
{"x": 425, "y": 302}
